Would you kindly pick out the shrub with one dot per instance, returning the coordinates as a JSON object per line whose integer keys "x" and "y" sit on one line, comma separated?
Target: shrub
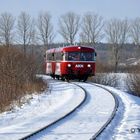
{"x": 105, "y": 79}
{"x": 17, "y": 75}
{"x": 134, "y": 85}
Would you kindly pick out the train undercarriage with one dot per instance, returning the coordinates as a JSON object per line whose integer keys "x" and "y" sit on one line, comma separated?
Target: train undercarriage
{"x": 68, "y": 77}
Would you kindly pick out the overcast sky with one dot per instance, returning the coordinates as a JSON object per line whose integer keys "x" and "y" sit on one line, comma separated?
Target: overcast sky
{"x": 106, "y": 8}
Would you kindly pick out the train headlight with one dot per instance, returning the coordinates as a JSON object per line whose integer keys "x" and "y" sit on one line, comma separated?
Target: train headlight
{"x": 69, "y": 65}
{"x": 88, "y": 65}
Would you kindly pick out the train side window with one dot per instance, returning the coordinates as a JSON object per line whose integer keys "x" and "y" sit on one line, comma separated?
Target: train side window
{"x": 62, "y": 56}
{"x": 66, "y": 56}
{"x": 56, "y": 56}
{"x": 94, "y": 56}
{"x": 59, "y": 56}
{"x": 50, "y": 56}
{"x": 47, "y": 56}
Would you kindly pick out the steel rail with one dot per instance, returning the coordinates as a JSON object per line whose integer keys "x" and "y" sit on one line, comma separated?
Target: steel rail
{"x": 63, "y": 117}
{"x": 96, "y": 135}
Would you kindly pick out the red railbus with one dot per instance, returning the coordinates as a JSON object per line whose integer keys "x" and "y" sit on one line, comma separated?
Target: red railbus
{"x": 71, "y": 62}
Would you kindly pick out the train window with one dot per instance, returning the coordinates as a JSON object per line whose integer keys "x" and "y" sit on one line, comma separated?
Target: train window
{"x": 95, "y": 54}
{"x": 94, "y": 57}
{"x": 80, "y": 56}
{"x": 50, "y": 56}
{"x": 59, "y": 56}
{"x": 47, "y": 56}
{"x": 74, "y": 56}
{"x": 89, "y": 56}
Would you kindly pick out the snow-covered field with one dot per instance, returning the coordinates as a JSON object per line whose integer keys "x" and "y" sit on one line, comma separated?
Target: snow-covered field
{"x": 83, "y": 123}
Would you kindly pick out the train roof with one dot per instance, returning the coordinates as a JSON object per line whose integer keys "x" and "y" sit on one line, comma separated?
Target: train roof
{"x": 71, "y": 48}
{"x": 78, "y": 47}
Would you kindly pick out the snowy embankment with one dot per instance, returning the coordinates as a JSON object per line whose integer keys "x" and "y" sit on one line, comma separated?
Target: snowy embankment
{"x": 84, "y": 122}
{"x": 126, "y": 124}
{"x": 42, "y": 110}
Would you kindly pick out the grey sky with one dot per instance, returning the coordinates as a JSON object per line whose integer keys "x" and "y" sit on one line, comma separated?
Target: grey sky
{"x": 105, "y": 8}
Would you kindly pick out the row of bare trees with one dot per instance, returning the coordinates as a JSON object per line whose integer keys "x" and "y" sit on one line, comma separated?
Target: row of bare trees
{"x": 90, "y": 28}
{"x": 26, "y": 30}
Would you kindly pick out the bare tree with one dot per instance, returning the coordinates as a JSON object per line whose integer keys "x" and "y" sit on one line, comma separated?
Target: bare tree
{"x": 117, "y": 35}
{"x": 45, "y": 28}
{"x": 135, "y": 31}
{"x": 6, "y": 28}
{"x": 25, "y": 30}
{"x": 69, "y": 26}
{"x": 92, "y": 25}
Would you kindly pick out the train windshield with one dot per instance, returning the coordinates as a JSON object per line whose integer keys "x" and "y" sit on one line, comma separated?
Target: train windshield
{"x": 80, "y": 56}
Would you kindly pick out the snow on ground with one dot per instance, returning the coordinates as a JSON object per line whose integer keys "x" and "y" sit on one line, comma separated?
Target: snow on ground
{"x": 86, "y": 121}
{"x": 43, "y": 109}
{"x": 122, "y": 81}
{"x": 124, "y": 126}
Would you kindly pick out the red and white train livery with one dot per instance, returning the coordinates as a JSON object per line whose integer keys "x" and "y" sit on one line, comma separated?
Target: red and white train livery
{"x": 71, "y": 62}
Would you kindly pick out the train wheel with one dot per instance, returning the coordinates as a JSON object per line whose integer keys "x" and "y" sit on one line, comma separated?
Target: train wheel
{"x": 53, "y": 76}
{"x": 57, "y": 77}
{"x": 63, "y": 78}
{"x": 85, "y": 78}
{"x": 67, "y": 78}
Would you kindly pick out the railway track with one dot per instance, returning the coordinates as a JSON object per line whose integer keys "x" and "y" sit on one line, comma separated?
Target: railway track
{"x": 112, "y": 115}
{"x": 47, "y": 126}
{"x": 93, "y": 136}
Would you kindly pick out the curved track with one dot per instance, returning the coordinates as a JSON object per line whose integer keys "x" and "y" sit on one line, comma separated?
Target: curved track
{"x": 47, "y": 126}
{"x": 112, "y": 115}
{"x": 104, "y": 125}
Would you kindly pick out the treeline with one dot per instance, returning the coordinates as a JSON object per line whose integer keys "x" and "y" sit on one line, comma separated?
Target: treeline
{"x": 89, "y": 28}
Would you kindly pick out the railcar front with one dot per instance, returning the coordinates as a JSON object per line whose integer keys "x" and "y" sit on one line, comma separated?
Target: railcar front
{"x": 78, "y": 62}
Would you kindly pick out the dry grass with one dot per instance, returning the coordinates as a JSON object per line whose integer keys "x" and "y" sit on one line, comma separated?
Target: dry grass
{"x": 105, "y": 79}
{"x": 134, "y": 85}
{"x": 103, "y": 67}
{"x": 102, "y": 74}
{"x": 17, "y": 76}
